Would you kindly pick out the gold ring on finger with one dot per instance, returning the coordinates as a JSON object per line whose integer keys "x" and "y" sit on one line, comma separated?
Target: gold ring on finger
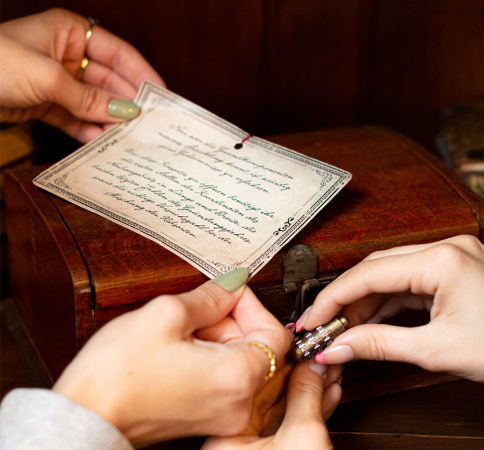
{"x": 84, "y": 64}
{"x": 92, "y": 22}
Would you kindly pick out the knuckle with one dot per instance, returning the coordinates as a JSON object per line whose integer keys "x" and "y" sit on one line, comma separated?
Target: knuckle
{"x": 60, "y": 18}
{"x": 170, "y": 308}
{"x": 60, "y": 13}
{"x": 246, "y": 383}
{"x": 121, "y": 52}
{"x": 89, "y": 100}
{"x": 53, "y": 77}
{"x": 213, "y": 297}
{"x": 108, "y": 81}
{"x": 472, "y": 243}
{"x": 377, "y": 348}
{"x": 302, "y": 386}
{"x": 448, "y": 255}
{"x": 237, "y": 378}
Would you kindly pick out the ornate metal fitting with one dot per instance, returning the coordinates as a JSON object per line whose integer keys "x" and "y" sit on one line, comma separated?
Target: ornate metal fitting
{"x": 300, "y": 285}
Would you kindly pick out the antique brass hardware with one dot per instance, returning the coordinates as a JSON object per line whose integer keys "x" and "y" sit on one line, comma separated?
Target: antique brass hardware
{"x": 300, "y": 264}
{"x": 308, "y": 343}
{"x": 300, "y": 285}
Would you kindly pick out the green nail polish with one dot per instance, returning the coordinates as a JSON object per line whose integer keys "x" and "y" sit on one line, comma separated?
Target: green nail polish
{"x": 231, "y": 281}
{"x": 123, "y": 109}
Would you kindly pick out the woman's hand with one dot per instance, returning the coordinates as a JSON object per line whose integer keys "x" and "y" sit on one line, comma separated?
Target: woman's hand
{"x": 41, "y": 55}
{"x": 149, "y": 375}
{"x": 295, "y": 421}
{"x": 446, "y": 278}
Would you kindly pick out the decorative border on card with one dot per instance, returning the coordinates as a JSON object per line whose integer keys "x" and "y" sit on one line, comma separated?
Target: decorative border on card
{"x": 187, "y": 105}
{"x": 214, "y": 268}
{"x": 185, "y": 254}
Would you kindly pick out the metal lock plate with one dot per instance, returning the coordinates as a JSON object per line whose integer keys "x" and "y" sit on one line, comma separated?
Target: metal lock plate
{"x": 292, "y": 297}
{"x": 300, "y": 264}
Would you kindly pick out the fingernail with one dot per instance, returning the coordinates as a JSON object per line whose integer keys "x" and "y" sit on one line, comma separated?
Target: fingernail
{"x": 340, "y": 379}
{"x": 302, "y": 319}
{"x": 123, "y": 109}
{"x": 338, "y": 354}
{"x": 320, "y": 369}
{"x": 291, "y": 326}
{"x": 231, "y": 281}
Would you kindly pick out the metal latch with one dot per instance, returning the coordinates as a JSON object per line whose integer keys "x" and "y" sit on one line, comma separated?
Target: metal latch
{"x": 300, "y": 285}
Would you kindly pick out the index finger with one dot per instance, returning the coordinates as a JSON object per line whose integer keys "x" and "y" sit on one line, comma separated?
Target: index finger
{"x": 117, "y": 54}
{"x": 416, "y": 272}
{"x": 256, "y": 323}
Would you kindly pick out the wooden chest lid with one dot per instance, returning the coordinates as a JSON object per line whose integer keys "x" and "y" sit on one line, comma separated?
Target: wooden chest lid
{"x": 399, "y": 195}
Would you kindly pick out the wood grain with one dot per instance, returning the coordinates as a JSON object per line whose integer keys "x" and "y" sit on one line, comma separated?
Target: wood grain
{"x": 49, "y": 283}
{"x": 75, "y": 268}
{"x": 394, "y": 198}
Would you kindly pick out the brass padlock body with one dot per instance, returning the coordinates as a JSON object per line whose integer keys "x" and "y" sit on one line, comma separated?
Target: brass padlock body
{"x": 308, "y": 343}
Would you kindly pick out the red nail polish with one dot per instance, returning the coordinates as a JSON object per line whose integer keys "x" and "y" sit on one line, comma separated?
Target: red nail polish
{"x": 319, "y": 358}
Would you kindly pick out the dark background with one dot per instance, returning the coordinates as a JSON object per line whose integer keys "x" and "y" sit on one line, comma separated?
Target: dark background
{"x": 277, "y": 66}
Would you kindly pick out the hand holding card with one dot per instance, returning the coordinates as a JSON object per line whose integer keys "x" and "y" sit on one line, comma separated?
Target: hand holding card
{"x": 176, "y": 176}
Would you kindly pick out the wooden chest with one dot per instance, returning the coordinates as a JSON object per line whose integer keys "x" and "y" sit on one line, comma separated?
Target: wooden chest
{"x": 72, "y": 271}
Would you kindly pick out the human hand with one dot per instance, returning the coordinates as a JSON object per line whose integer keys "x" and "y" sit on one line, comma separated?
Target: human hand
{"x": 295, "y": 421}
{"x": 41, "y": 55}
{"x": 149, "y": 375}
{"x": 446, "y": 278}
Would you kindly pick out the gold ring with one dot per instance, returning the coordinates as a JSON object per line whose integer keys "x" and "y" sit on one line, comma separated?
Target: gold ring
{"x": 92, "y": 22}
{"x": 85, "y": 60}
{"x": 84, "y": 64}
{"x": 270, "y": 354}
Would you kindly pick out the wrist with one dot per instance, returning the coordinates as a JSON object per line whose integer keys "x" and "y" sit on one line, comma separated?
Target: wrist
{"x": 83, "y": 392}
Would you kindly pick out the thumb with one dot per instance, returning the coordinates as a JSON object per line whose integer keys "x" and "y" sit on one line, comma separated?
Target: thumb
{"x": 376, "y": 342}
{"x": 305, "y": 394}
{"x": 303, "y": 423}
{"x": 88, "y": 102}
{"x": 209, "y": 303}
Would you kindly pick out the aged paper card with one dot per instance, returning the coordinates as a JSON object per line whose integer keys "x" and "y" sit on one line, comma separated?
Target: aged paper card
{"x": 174, "y": 176}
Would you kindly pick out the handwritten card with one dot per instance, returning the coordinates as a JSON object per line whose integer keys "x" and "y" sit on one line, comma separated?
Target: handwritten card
{"x": 174, "y": 175}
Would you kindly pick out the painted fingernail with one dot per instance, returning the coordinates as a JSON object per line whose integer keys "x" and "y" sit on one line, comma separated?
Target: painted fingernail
{"x": 337, "y": 354}
{"x": 291, "y": 326}
{"x": 231, "y": 281}
{"x": 302, "y": 319}
{"x": 123, "y": 109}
{"x": 320, "y": 369}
